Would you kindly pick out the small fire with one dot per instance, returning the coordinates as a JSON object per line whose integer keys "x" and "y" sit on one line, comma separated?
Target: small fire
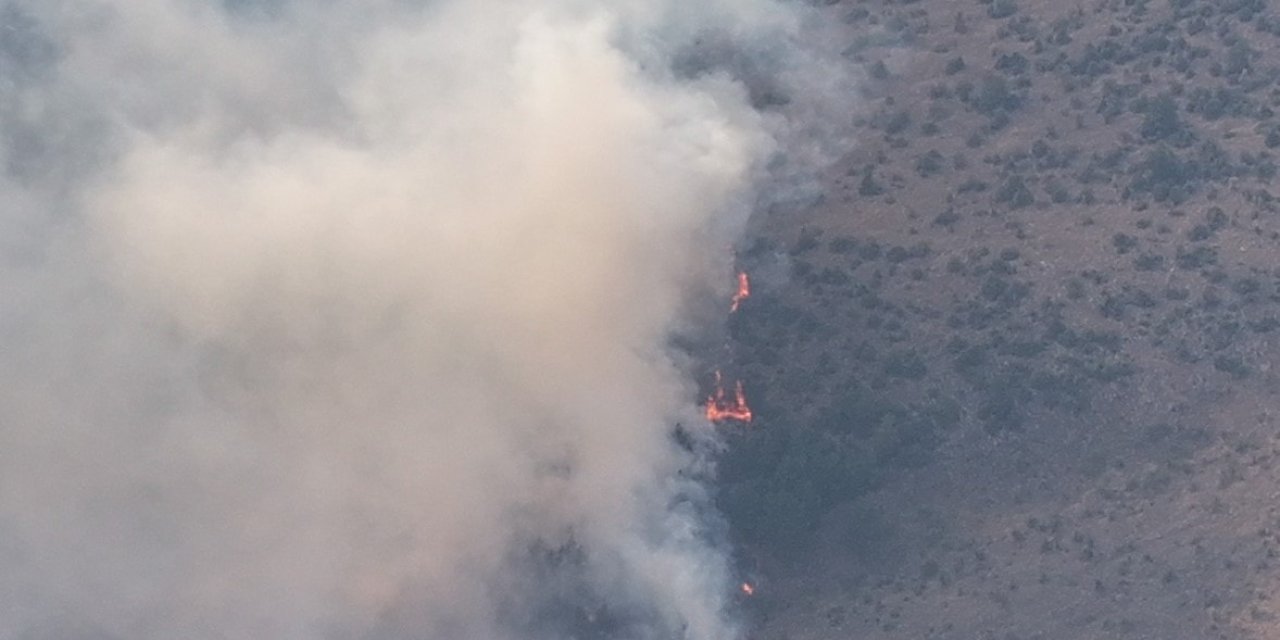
{"x": 743, "y": 292}
{"x": 721, "y": 408}
{"x": 748, "y": 589}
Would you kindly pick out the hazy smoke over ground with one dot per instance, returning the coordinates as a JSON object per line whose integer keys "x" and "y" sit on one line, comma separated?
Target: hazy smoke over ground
{"x": 349, "y": 319}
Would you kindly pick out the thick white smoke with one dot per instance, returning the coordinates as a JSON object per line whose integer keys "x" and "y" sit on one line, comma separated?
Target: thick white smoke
{"x": 350, "y": 319}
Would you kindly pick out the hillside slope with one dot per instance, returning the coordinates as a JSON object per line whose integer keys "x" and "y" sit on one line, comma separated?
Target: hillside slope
{"x": 1018, "y": 381}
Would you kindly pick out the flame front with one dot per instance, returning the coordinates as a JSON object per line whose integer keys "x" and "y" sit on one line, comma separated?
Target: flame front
{"x": 748, "y": 589}
{"x": 721, "y": 408}
{"x": 743, "y": 292}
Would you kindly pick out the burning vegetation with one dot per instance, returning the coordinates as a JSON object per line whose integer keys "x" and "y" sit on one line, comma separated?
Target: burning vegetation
{"x": 743, "y": 292}
{"x": 721, "y": 407}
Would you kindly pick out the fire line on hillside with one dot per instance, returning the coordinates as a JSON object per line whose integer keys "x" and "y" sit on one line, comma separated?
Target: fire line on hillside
{"x": 743, "y": 292}
{"x": 722, "y": 407}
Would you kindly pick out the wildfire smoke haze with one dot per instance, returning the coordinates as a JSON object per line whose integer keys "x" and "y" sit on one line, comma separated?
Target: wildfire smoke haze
{"x": 313, "y": 310}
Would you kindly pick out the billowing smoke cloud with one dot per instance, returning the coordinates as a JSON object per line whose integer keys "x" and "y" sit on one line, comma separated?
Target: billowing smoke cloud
{"x": 351, "y": 319}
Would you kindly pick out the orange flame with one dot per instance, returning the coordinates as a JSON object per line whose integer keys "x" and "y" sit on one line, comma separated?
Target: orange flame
{"x": 743, "y": 292}
{"x": 720, "y": 408}
{"x": 748, "y": 589}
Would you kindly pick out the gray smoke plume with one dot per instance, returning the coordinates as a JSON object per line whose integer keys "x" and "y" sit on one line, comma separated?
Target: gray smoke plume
{"x": 351, "y": 319}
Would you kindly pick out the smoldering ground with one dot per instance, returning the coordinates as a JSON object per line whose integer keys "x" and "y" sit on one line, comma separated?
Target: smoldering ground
{"x": 349, "y": 320}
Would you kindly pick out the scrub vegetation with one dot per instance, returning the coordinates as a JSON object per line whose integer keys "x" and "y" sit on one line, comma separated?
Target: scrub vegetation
{"x": 1019, "y": 378}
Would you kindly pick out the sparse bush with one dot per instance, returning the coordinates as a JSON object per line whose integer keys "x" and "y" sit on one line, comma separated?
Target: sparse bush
{"x": 1012, "y": 63}
{"x": 1148, "y": 262}
{"x": 1201, "y": 256}
{"x": 1057, "y": 193}
{"x": 843, "y": 244}
{"x": 1001, "y": 9}
{"x": 1165, "y": 176}
{"x": 1015, "y": 193}
{"x": 1161, "y": 121}
{"x": 930, "y": 163}
{"x": 996, "y": 96}
{"x": 869, "y": 186}
{"x": 897, "y": 123}
{"x": 1123, "y": 242}
{"x": 905, "y": 364}
{"x": 879, "y": 71}
{"x": 1232, "y": 365}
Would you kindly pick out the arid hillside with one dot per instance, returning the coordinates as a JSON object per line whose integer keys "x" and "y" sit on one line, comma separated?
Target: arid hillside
{"x": 1015, "y": 380}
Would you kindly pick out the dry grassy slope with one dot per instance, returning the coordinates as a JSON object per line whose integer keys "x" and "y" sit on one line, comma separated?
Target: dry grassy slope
{"x": 1113, "y": 474}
